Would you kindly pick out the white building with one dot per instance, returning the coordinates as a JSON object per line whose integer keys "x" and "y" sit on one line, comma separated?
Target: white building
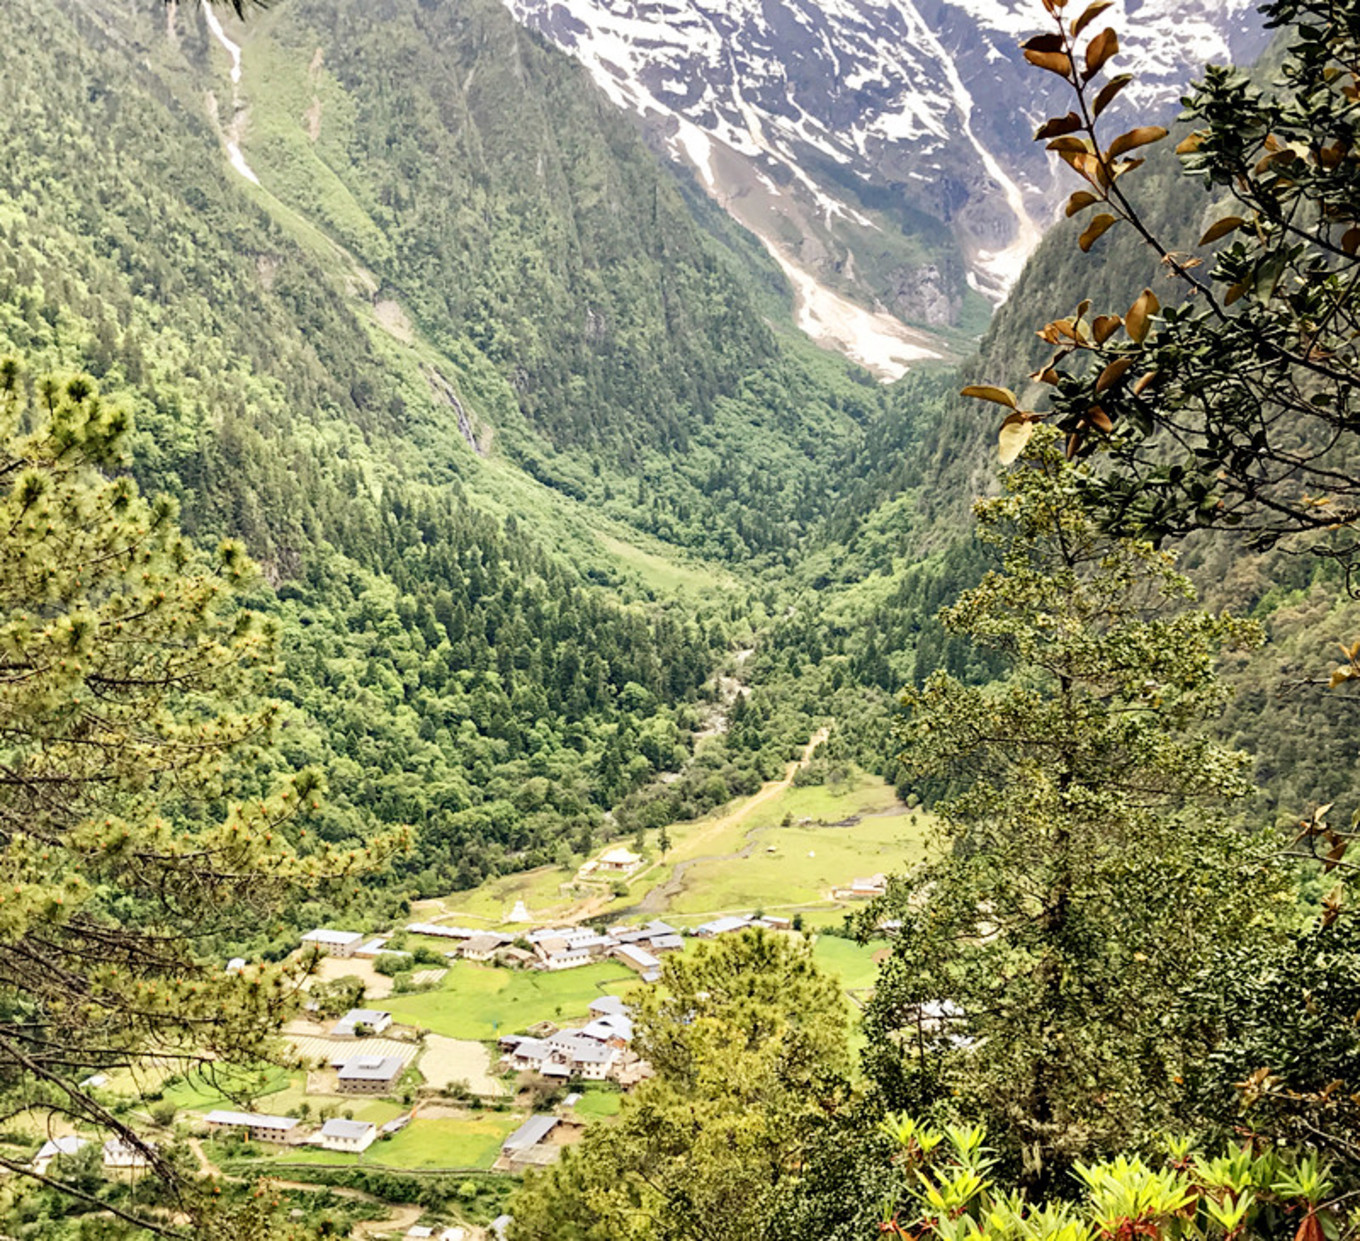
{"x": 369, "y": 1074}
{"x": 253, "y": 1124}
{"x": 333, "y": 943}
{"x": 123, "y": 1155}
{"x": 608, "y": 1006}
{"x": 620, "y": 861}
{"x": 57, "y": 1148}
{"x": 347, "y": 1026}
{"x": 372, "y": 948}
{"x": 569, "y": 960}
{"x": 349, "y": 1136}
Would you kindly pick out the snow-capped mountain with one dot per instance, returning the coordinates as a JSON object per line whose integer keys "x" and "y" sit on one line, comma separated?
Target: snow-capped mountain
{"x": 880, "y": 148}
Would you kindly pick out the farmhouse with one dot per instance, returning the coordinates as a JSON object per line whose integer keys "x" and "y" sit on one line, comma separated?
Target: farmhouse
{"x": 568, "y": 960}
{"x": 369, "y": 1074}
{"x": 581, "y": 1056}
{"x": 333, "y": 943}
{"x": 527, "y": 1053}
{"x": 56, "y": 1148}
{"x": 526, "y": 1147}
{"x": 608, "y": 1006}
{"x": 615, "y": 1030}
{"x": 123, "y": 1155}
{"x": 253, "y": 1124}
{"x": 723, "y": 926}
{"x": 373, "y": 948}
{"x": 866, "y": 889}
{"x": 666, "y": 943}
{"x": 619, "y": 861}
{"x": 482, "y": 947}
{"x": 351, "y": 1136}
{"x": 348, "y": 1025}
{"x": 639, "y": 959}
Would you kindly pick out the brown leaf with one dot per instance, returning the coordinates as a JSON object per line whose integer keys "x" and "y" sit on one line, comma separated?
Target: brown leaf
{"x": 1350, "y": 240}
{"x": 1106, "y": 326}
{"x": 1099, "y": 418}
{"x": 1099, "y": 50}
{"x": 1044, "y": 43}
{"x": 1108, "y": 92}
{"x": 1092, "y": 12}
{"x": 1145, "y": 382}
{"x": 1055, "y": 62}
{"x": 1080, "y": 201}
{"x": 1069, "y": 142}
{"x": 1138, "y": 137}
{"x": 1095, "y": 230}
{"x": 1335, "y": 854}
{"x": 1190, "y": 144}
{"x": 1221, "y": 228}
{"x": 1136, "y": 321}
{"x": 1113, "y": 373}
{"x": 987, "y": 392}
{"x": 1073, "y": 444}
{"x": 1016, "y": 431}
{"x": 1057, "y": 125}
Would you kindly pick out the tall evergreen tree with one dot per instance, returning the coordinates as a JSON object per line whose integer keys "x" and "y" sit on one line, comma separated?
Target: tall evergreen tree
{"x": 130, "y": 834}
{"x": 1088, "y": 863}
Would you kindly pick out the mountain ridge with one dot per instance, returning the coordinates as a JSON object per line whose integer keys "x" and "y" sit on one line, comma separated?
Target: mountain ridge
{"x": 879, "y": 148}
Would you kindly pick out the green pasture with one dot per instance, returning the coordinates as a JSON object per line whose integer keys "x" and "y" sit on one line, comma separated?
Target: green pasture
{"x": 482, "y": 1002}
{"x": 793, "y": 866}
{"x": 596, "y": 1103}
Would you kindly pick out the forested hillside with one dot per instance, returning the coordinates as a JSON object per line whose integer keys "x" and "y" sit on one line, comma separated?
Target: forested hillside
{"x": 443, "y": 421}
{"x": 896, "y": 544}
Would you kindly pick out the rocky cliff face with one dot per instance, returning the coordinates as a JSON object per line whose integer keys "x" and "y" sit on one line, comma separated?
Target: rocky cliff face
{"x": 882, "y": 146}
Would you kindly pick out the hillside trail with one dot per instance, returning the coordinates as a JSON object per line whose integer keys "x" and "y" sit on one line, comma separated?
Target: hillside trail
{"x": 659, "y": 898}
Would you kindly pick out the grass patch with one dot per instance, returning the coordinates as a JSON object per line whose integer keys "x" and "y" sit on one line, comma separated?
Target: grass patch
{"x": 202, "y": 1090}
{"x": 852, "y": 963}
{"x": 805, "y": 865}
{"x": 447, "y": 1143}
{"x": 482, "y": 1002}
{"x": 596, "y": 1104}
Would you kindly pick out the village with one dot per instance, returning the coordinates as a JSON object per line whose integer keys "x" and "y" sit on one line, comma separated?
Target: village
{"x": 483, "y": 1037}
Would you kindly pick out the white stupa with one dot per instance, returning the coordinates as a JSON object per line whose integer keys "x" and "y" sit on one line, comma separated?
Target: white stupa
{"x": 520, "y": 913}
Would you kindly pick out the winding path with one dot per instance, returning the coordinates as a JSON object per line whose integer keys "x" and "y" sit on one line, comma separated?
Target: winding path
{"x": 658, "y": 899}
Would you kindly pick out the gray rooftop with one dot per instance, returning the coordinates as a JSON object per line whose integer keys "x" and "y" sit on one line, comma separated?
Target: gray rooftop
{"x": 530, "y": 1133}
{"x": 346, "y": 1128}
{"x": 371, "y": 1069}
{"x": 251, "y": 1120}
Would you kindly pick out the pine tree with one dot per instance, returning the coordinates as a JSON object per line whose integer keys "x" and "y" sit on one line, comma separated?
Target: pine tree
{"x": 130, "y": 827}
{"x": 1088, "y": 864}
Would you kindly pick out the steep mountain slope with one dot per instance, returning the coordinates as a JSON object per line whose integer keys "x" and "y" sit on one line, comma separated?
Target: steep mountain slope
{"x": 468, "y": 649}
{"x": 880, "y": 147}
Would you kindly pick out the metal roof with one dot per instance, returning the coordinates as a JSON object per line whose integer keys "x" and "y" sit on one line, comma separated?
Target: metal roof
{"x": 251, "y": 1120}
{"x": 371, "y": 1068}
{"x": 346, "y": 1128}
{"x": 530, "y": 1133}
{"x": 325, "y": 935}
